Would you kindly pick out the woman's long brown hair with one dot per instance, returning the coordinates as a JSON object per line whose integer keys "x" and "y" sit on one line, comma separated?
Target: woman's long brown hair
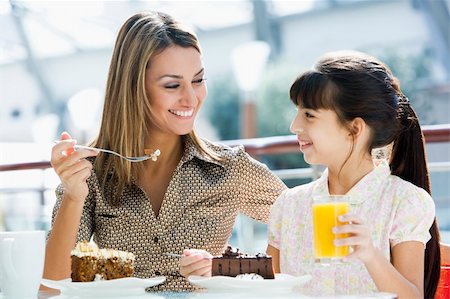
{"x": 126, "y": 112}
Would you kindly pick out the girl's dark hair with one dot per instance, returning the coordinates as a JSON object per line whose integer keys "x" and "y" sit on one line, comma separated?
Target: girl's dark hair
{"x": 354, "y": 85}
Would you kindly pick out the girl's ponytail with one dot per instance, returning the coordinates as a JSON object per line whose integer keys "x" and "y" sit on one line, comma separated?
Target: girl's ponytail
{"x": 408, "y": 161}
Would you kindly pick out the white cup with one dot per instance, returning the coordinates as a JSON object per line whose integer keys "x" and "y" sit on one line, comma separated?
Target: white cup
{"x": 21, "y": 263}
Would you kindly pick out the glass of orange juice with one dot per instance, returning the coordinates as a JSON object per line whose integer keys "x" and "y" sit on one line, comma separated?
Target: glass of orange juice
{"x": 326, "y": 210}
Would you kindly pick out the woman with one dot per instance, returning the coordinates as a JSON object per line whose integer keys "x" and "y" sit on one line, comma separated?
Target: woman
{"x": 188, "y": 198}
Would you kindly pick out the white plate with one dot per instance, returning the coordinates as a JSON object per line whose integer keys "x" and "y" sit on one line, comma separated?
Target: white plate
{"x": 380, "y": 295}
{"x": 113, "y": 287}
{"x": 282, "y": 282}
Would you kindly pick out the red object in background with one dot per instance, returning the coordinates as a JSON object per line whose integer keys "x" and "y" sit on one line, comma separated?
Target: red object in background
{"x": 443, "y": 290}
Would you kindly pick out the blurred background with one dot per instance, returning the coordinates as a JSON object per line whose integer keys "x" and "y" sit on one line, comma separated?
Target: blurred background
{"x": 54, "y": 58}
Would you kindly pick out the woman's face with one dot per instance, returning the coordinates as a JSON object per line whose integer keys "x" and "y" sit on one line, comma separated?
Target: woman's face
{"x": 176, "y": 88}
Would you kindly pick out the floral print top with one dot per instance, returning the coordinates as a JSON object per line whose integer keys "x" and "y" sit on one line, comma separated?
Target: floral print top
{"x": 394, "y": 209}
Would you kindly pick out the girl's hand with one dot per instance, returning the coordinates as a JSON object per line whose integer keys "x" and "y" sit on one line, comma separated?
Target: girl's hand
{"x": 72, "y": 167}
{"x": 195, "y": 262}
{"x": 359, "y": 237}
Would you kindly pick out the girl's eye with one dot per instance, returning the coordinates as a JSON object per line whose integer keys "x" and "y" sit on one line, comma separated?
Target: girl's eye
{"x": 199, "y": 81}
{"x": 308, "y": 115}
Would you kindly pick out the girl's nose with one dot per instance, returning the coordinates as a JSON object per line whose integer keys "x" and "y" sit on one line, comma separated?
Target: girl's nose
{"x": 296, "y": 130}
{"x": 296, "y": 126}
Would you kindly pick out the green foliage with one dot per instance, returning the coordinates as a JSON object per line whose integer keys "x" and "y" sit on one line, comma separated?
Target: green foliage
{"x": 412, "y": 70}
{"x": 276, "y": 111}
{"x": 274, "y": 108}
{"x": 414, "y": 73}
{"x": 222, "y": 107}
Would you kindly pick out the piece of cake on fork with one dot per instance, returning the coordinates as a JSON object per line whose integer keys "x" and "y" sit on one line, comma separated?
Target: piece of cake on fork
{"x": 89, "y": 263}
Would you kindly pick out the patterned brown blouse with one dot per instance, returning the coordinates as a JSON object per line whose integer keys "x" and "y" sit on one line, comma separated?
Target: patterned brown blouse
{"x": 198, "y": 211}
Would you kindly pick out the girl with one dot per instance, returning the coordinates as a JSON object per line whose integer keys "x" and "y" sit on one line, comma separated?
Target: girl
{"x": 188, "y": 198}
{"x": 348, "y": 105}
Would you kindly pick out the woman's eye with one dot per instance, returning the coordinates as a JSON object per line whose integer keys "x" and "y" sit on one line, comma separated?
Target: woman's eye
{"x": 308, "y": 115}
{"x": 172, "y": 86}
{"x": 199, "y": 81}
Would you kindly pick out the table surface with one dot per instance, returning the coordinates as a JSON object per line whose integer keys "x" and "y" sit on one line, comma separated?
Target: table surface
{"x": 217, "y": 287}
{"x": 209, "y": 295}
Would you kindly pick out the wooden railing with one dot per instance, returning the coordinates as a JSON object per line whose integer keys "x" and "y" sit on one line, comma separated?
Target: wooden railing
{"x": 256, "y": 147}
{"x": 289, "y": 144}
{"x": 262, "y": 146}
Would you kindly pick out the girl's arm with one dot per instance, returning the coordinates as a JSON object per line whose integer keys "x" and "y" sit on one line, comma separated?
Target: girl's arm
{"x": 445, "y": 253}
{"x": 403, "y": 277}
{"x": 275, "y": 253}
{"x": 406, "y": 273}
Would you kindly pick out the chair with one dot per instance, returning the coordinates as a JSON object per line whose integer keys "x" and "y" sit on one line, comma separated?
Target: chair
{"x": 443, "y": 290}
{"x": 445, "y": 254}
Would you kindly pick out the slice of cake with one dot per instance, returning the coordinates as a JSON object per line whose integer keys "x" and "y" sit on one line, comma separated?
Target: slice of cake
{"x": 233, "y": 263}
{"x": 90, "y": 263}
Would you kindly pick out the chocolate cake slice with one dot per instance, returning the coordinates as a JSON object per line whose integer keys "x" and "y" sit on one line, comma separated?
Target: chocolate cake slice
{"x": 233, "y": 262}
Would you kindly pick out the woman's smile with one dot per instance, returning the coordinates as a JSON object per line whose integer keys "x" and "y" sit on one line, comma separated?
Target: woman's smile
{"x": 183, "y": 113}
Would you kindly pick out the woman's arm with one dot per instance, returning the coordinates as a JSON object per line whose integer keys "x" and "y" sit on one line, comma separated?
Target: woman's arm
{"x": 73, "y": 170}
{"x": 62, "y": 240}
{"x": 257, "y": 187}
{"x": 275, "y": 253}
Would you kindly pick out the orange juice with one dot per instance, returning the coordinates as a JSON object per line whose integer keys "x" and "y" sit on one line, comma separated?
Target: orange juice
{"x": 324, "y": 219}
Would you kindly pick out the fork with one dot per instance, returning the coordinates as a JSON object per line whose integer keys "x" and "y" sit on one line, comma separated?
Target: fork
{"x": 153, "y": 156}
{"x": 180, "y": 255}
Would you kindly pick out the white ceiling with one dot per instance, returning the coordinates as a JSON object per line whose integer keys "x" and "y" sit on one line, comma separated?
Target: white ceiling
{"x": 56, "y": 28}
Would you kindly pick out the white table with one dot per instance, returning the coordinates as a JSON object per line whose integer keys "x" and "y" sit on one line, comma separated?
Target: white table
{"x": 212, "y": 295}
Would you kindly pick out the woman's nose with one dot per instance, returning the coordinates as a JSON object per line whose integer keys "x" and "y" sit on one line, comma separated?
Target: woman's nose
{"x": 189, "y": 96}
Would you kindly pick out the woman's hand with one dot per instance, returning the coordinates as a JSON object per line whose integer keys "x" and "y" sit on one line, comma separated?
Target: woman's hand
{"x": 72, "y": 167}
{"x": 195, "y": 262}
{"x": 359, "y": 237}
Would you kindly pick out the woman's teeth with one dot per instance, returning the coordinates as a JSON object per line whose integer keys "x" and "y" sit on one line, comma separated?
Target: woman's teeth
{"x": 186, "y": 113}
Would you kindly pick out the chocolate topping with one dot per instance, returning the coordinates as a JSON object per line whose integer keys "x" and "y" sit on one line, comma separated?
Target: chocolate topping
{"x": 230, "y": 251}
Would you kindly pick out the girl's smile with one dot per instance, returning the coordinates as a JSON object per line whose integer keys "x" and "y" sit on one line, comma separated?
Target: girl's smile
{"x": 304, "y": 144}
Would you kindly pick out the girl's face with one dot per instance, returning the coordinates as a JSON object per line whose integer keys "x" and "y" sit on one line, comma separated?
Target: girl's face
{"x": 322, "y": 138}
{"x": 176, "y": 88}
